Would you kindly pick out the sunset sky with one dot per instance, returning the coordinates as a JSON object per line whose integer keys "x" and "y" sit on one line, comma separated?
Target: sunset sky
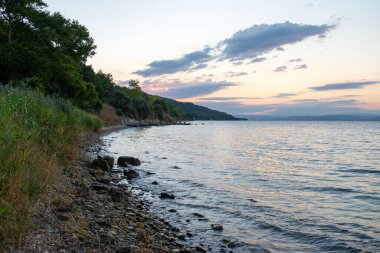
{"x": 285, "y": 57}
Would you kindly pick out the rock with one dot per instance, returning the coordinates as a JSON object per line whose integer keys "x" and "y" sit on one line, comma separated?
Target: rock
{"x": 101, "y": 163}
{"x": 123, "y": 160}
{"x": 103, "y": 179}
{"x": 172, "y": 211}
{"x": 155, "y": 182}
{"x": 176, "y": 167}
{"x": 150, "y": 173}
{"x": 100, "y": 187}
{"x": 123, "y": 250}
{"x": 199, "y": 215}
{"x": 232, "y": 245}
{"x": 165, "y": 195}
{"x": 116, "y": 194}
{"x": 217, "y": 227}
{"x": 110, "y": 161}
{"x": 182, "y": 237}
{"x": 131, "y": 174}
{"x": 200, "y": 249}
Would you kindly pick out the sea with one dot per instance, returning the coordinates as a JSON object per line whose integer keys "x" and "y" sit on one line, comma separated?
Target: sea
{"x": 273, "y": 186}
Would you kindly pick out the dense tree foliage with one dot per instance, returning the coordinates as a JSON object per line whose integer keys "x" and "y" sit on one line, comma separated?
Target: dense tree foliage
{"x": 48, "y": 52}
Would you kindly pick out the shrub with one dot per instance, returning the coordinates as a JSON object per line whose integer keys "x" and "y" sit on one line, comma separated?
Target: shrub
{"x": 37, "y": 135}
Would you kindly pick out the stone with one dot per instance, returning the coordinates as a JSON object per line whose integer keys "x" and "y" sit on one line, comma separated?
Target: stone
{"x": 182, "y": 237}
{"x": 101, "y": 163}
{"x": 199, "y": 215}
{"x": 217, "y": 227}
{"x": 165, "y": 195}
{"x": 110, "y": 161}
{"x": 155, "y": 183}
{"x": 123, "y": 160}
{"x": 116, "y": 194}
{"x": 200, "y": 249}
{"x": 131, "y": 174}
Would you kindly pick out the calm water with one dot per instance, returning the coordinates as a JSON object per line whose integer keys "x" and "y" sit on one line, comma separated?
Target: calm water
{"x": 274, "y": 186}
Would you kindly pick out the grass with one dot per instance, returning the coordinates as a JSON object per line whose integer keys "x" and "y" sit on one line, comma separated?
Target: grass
{"x": 37, "y": 136}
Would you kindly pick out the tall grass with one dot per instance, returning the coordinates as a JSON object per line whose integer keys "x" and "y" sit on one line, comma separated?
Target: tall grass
{"x": 37, "y": 135}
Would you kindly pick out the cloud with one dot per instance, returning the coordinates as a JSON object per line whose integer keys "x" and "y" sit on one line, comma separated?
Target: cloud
{"x": 343, "y": 86}
{"x": 296, "y": 60}
{"x": 285, "y": 95}
{"x": 280, "y": 69}
{"x": 194, "y": 60}
{"x": 180, "y": 89}
{"x": 258, "y": 59}
{"x": 302, "y": 66}
{"x": 250, "y": 43}
{"x": 309, "y": 107}
{"x": 226, "y": 98}
{"x": 260, "y": 39}
{"x": 235, "y": 74}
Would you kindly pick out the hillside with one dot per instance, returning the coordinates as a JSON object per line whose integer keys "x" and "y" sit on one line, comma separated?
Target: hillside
{"x": 197, "y": 112}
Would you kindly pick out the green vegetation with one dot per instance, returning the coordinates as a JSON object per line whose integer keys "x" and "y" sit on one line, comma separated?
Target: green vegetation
{"x": 48, "y": 52}
{"x": 197, "y": 112}
{"x": 37, "y": 135}
{"x": 44, "y": 79}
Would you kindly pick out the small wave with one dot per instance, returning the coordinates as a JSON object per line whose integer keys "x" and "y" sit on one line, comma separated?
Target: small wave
{"x": 331, "y": 189}
{"x": 362, "y": 171}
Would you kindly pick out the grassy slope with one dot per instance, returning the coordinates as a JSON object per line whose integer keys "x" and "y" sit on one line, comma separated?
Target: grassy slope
{"x": 37, "y": 135}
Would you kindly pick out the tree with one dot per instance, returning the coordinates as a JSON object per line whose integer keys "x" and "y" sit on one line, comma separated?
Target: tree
{"x": 134, "y": 85}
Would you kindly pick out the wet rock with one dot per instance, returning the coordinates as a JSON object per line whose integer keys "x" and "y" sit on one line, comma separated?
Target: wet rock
{"x": 172, "y": 211}
{"x": 101, "y": 163}
{"x": 217, "y": 227}
{"x": 198, "y": 215}
{"x": 232, "y": 244}
{"x": 116, "y": 194}
{"x": 150, "y": 173}
{"x": 110, "y": 161}
{"x": 124, "y": 160}
{"x": 189, "y": 234}
{"x": 176, "y": 167}
{"x": 200, "y": 249}
{"x": 155, "y": 182}
{"x": 131, "y": 174}
{"x": 165, "y": 195}
{"x": 182, "y": 237}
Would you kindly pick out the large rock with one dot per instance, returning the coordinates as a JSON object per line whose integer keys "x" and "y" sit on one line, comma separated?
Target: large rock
{"x": 101, "y": 163}
{"x": 125, "y": 160}
{"x": 131, "y": 174}
{"x": 165, "y": 195}
{"x": 110, "y": 161}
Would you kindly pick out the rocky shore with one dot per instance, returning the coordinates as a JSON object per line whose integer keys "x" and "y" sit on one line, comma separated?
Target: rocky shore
{"x": 86, "y": 212}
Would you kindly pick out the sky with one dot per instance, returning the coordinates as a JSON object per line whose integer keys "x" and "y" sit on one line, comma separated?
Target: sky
{"x": 244, "y": 57}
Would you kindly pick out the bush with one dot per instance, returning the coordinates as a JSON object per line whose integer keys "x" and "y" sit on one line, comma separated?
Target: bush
{"x": 37, "y": 135}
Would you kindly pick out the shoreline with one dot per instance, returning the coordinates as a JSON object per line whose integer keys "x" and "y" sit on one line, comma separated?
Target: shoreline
{"x": 86, "y": 212}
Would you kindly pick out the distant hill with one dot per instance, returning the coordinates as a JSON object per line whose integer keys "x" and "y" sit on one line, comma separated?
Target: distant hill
{"x": 198, "y": 112}
{"x": 362, "y": 117}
